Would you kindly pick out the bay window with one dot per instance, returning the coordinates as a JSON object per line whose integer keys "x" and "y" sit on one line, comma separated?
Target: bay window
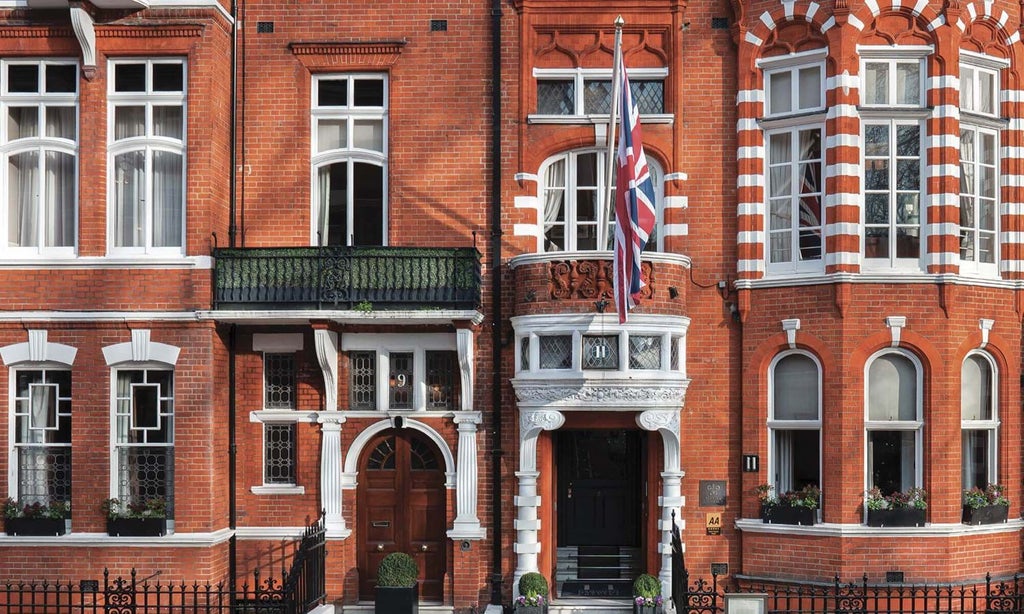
{"x": 349, "y": 159}
{"x": 40, "y": 148}
{"x": 147, "y": 157}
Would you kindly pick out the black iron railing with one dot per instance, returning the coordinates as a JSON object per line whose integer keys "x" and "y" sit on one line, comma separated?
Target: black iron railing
{"x": 346, "y": 277}
{"x": 301, "y": 590}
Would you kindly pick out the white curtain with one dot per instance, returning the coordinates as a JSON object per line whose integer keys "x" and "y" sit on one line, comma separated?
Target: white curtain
{"x": 783, "y": 461}
{"x": 59, "y": 208}
{"x": 554, "y": 203}
{"x": 129, "y": 186}
{"x": 324, "y": 187}
{"x": 22, "y": 196}
{"x": 780, "y": 191}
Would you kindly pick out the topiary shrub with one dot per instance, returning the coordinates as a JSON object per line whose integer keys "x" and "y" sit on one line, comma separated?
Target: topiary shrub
{"x": 397, "y": 569}
{"x": 532, "y": 584}
{"x": 646, "y": 585}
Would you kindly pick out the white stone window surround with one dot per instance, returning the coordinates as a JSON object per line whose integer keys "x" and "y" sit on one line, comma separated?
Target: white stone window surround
{"x": 149, "y": 144}
{"x": 578, "y": 76}
{"x": 383, "y": 344}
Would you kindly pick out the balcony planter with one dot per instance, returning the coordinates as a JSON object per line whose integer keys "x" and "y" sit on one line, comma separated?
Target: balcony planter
{"x": 899, "y": 517}
{"x": 35, "y": 527}
{"x": 397, "y": 599}
{"x": 136, "y": 527}
{"x": 783, "y": 514}
{"x": 987, "y": 514}
{"x": 647, "y": 609}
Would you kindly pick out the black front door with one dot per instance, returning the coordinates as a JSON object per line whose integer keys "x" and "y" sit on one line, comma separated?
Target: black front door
{"x": 599, "y": 488}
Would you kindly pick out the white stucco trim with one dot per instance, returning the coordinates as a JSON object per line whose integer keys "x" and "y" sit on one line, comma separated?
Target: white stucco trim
{"x": 141, "y": 349}
{"x": 38, "y": 349}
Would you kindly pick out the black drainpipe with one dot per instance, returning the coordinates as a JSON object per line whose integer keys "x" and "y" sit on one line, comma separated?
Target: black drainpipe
{"x": 232, "y": 520}
{"x": 496, "y": 315}
{"x": 234, "y": 101}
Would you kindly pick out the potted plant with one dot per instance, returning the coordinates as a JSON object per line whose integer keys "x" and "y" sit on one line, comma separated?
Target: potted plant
{"x": 36, "y": 519}
{"x": 989, "y": 506}
{"x": 792, "y": 507}
{"x": 141, "y": 519}
{"x": 398, "y": 589}
{"x": 647, "y": 595}
{"x": 533, "y": 594}
{"x": 898, "y": 509}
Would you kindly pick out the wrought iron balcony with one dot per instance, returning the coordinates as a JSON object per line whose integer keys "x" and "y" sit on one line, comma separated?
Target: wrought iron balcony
{"x": 346, "y": 277}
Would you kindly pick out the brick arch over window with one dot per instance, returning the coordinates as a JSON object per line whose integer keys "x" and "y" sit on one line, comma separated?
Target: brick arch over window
{"x": 772, "y": 20}
{"x": 762, "y": 357}
{"x": 929, "y": 356}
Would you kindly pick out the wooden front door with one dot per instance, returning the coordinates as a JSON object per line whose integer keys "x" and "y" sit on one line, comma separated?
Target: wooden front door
{"x": 599, "y": 488}
{"x": 402, "y": 509}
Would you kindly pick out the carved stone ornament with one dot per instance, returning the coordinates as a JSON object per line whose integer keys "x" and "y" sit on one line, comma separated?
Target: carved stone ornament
{"x": 642, "y": 394}
{"x": 655, "y": 420}
{"x": 591, "y": 279}
{"x": 545, "y": 420}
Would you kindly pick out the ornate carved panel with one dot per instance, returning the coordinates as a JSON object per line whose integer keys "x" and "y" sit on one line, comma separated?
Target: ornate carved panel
{"x": 592, "y": 279}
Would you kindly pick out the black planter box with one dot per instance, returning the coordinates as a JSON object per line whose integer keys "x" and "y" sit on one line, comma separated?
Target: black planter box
{"x": 397, "y": 599}
{"x": 136, "y": 527}
{"x": 784, "y": 514}
{"x": 989, "y": 514}
{"x": 647, "y": 609}
{"x": 35, "y": 527}
{"x": 531, "y": 609}
{"x": 902, "y": 517}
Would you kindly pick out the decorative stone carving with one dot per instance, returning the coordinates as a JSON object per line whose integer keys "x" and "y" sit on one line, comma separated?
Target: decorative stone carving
{"x": 591, "y": 279}
{"x": 539, "y": 420}
{"x": 657, "y": 420}
{"x": 642, "y": 394}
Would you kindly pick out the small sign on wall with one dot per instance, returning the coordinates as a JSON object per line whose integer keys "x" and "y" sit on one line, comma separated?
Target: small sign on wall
{"x": 712, "y": 493}
{"x": 713, "y": 523}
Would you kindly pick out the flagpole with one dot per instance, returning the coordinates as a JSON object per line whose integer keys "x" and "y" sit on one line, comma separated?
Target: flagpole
{"x": 609, "y": 206}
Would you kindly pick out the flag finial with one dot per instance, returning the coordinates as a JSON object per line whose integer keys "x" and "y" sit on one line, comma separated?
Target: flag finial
{"x": 619, "y": 21}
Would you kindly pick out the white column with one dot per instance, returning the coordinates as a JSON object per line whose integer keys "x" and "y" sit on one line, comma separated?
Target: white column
{"x": 330, "y": 473}
{"x": 467, "y": 524}
{"x": 531, "y": 423}
{"x": 671, "y": 500}
{"x": 327, "y": 356}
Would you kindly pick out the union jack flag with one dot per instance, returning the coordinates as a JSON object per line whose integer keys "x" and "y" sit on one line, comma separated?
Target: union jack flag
{"x": 634, "y": 204}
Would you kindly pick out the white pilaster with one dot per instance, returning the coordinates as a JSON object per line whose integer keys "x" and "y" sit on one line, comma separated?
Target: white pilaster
{"x": 671, "y": 500}
{"x": 330, "y": 473}
{"x": 464, "y": 344}
{"x": 467, "y": 524}
{"x": 531, "y": 423}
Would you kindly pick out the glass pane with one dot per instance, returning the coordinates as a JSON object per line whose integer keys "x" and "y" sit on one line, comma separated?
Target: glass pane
{"x": 42, "y": 406}
{"x": 61, "y": 79}
{"x": 145, "y": 406}
{"x": 780, "y": 88}
{"x": 555, "y": 98}
{"x": 168, "y": 122}
{"x": 555, "y": 351}
{"x": 876, "y": 83}
{"x": 130, "y": 78}
{"x": 331, "y": 134}
{"x": 648, "y": 96}
{"x": 876, "y": 175}
{"x": 810, "y": 87}
{"x": 129, "y": 183}
{"x": 129, "y": 122}
{"x": 976, "y": 389}
{"x": 780, "y": 217}
{"x": 363, "y": 380}
{"x": 795, "y": 387}
{"x": 167, "y": 199}
{"x": 524, "y": 354}
{"x": 59, "y": 204}
{"x": 907, "y": 209}
{"x": 368, "y": 134}
{"x": 368, "y": 93}
{"x": 22, "y": 122}
{"x": 876, "y": 140}
{"x": 987, "y": 145}
{"x": 975, "y": 454}
{"x": 798, "y": 458}
{"x": 892, "y": 457}
{"x": 597, "y": 97}
{"x": 908, "y": 140}
{"x": 987, "y": 182}
{"x": 400, "y": 381}
{"x": 279, "y": 454}
{"x": 781, "y": 247}
{"x": 368, "y": 204}
{"x": 967, "y": 88}
{"x": 60, "y": 122}
{"x": 644, "y": 352}
{"x": 780, "y": 148}
{"x": 23, "y": 78}
{"x": 23, "y": 199}
{"x": 987, "y": 214}
{"x": 168, "y": 77}
{"x": 908, "y": 83}
{"x": 986, "y": 87}
{"x": 810, "y": 244}
{"x": 441, "y": 378}
{"x": 279, "y": 381}
{"x": 333, "y": 194}
{"x": 892, "y": 388}
{"x": 600, "y": 352}
{"x": 908, "y": 174}
{"x": 876, "y": 208}
{"x": 908, "y": 242}
{"x": 332, "y": 93}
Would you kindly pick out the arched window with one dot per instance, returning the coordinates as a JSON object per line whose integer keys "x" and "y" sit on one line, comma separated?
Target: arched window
{"x": 979, "y": 421}
{"x": 794, "y": 422}
{"x": 575, "y": 210}
{"x": 349, "y": 159}
{"x": 894, "y": 422}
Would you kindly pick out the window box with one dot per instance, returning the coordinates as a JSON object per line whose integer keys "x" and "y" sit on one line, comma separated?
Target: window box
{"x": 136, "y": 527}
{"x": 531, "y": 609}
{"x": 901, "y": 517}
{"x": 39, "y": 527}
{"x": 987, "y": 514}
{"x": 784, "y": 514}
{"x": 647, "y": 609}
{"x": 397, "y": 599}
